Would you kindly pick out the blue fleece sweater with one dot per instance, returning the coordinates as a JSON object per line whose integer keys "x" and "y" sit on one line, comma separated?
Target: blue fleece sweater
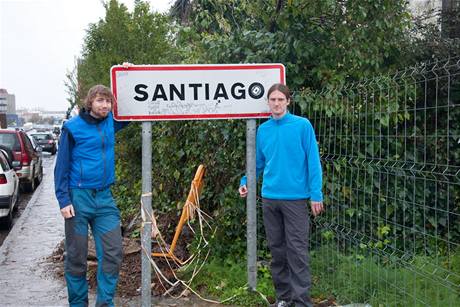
{"x": 287, "y": 154}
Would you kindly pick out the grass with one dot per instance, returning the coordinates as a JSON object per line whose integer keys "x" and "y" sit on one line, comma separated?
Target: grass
{"x": 347, "y": 278}
{"x": 225, "y": 280}
{"x": 382, "y": 281}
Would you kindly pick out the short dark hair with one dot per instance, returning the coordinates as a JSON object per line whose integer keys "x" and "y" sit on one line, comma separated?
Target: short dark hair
{"x": 100, "y": 90}
{"x": 280, "y": 87}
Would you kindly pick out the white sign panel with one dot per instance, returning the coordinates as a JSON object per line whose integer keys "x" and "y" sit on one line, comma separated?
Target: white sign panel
{"x": 180, "y": 92}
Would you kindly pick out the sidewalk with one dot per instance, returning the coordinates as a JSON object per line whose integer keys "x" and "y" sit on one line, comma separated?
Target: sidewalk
{"x": 24, "y": 280}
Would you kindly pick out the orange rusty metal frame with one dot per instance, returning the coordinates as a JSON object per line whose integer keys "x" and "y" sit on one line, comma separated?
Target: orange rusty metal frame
{"x": 188, "y": 211}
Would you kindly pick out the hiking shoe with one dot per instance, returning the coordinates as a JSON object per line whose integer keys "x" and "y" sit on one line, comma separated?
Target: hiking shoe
{"x": 281, "y": 304}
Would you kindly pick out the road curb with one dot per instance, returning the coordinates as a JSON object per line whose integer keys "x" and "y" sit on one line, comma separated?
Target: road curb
{"x": 20, "y": 221}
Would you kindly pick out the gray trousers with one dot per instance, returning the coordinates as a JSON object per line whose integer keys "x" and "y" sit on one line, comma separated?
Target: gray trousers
{"x": 287, "y": 229}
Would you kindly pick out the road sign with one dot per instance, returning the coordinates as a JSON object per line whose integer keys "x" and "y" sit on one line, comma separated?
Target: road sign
{"x": 182, "y": 92}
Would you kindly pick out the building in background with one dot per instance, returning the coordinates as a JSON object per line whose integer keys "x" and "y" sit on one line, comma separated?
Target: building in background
{"x": 7, "y": 102}
{"x": 7, "y": 106}
{"x": 40, "y": 116}
{"x": 446, "y": 12}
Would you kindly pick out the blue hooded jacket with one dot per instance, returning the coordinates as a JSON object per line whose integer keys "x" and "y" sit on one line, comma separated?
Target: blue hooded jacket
{"x": 86, "y": 156}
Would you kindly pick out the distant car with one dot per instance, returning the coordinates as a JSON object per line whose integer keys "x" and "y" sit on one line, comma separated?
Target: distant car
{"x": 27, "y": 157}
{"x": 46, "y": 140}
{"x": 28, "y": 126}
{"x": 43, "y": 128}
{"x": 9, "y": 190}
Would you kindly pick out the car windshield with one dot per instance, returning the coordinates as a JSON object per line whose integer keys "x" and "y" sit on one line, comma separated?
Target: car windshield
{"x": 10, "y": 140}
{"x": 41, "y": 137}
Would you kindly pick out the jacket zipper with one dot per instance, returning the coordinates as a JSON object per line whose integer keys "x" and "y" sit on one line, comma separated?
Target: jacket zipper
{"x": 81, "y": 175}
{"x": 103, "y": 152}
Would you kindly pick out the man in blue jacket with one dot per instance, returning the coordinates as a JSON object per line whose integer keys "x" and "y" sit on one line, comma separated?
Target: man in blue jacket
{"x": 84, "y": 172}
{"x": 287, "y": 155}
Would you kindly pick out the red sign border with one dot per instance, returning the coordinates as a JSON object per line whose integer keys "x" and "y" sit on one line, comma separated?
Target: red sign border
{"x": 165, "y": 117}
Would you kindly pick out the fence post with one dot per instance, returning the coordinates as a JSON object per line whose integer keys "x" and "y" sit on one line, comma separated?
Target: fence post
{"x": 251, "y": 208}
{"x": 146, "y": 200}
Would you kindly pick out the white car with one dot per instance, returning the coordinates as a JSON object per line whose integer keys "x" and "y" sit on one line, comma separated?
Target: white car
{"x": 9, "y": 189}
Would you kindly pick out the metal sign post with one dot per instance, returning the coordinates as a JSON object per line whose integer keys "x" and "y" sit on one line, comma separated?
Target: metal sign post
{"x": 146, "y": 201}
{"x": 251, "y": 209}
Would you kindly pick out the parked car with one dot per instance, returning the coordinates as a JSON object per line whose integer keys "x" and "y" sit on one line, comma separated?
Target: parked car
{"x": 46, "y": 140}
{"x": 9, "y": 190}
{"x": 27, "y": 157}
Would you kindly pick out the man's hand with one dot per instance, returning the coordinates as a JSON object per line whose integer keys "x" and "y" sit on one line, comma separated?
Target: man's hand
{"x": 317, "y": 207}
{"x": 68, "y": 212}
{"x": 243, "y": 191}
{"x": 127, "y": 65}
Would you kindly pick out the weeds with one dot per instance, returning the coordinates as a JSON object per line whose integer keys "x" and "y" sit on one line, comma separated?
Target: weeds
{"x": 348, "y": 278}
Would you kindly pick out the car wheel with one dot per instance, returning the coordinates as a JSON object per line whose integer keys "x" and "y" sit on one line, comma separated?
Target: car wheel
{"x": 39, "y": 178}
{"x": 15, "y": 205}
{"x": 30, "y": 186}
{"x": 7, "y": 221}
{"x": 16, "y": 201}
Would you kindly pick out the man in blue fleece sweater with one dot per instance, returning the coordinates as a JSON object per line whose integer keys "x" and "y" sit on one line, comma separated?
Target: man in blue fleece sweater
{"x": 287, "y": 155}
{"x": 84, "y": 172}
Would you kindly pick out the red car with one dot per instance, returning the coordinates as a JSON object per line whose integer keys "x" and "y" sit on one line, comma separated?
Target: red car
{"x": 27, "y": 157}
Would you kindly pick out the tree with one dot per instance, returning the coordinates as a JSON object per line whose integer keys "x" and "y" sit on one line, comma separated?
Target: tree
{"x": 35, "y": 118}
{"x": 450, "y": 19}
{"x": 71, "y": 84}
{"x": 320, "y": 42}
{"x": 139, "y": 37}
{"x": 181, "y": 11}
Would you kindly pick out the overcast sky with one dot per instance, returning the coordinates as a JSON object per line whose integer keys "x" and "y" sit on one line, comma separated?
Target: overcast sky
{"x": 39, "y": 41}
